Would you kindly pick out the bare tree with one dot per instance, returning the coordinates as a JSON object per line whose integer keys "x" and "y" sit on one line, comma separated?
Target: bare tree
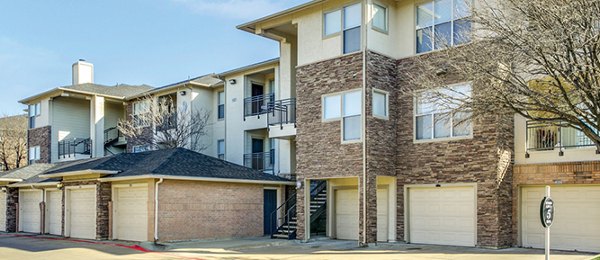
{"x": 162, "y": 124}
{"x": 537, "y": 58}
{"x": 13, "y": 142}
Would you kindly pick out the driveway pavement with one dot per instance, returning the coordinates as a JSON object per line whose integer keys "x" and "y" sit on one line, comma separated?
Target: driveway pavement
{"x": 22, "y": 247}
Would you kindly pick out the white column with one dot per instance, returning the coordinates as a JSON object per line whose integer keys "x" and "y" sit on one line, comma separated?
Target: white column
{"x": 285, "y": 70}
{"x": 97, "y": 126}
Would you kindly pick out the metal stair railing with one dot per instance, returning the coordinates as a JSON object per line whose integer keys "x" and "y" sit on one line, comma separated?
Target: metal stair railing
{"x": 287, "y": 205}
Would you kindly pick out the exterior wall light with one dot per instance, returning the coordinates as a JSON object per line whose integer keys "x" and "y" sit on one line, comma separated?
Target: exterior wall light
{"x": 59, "y": 186}
{"x": 3, "y": 189}
{"x": 183, "y": 93}
{"x": 232, "y": 81}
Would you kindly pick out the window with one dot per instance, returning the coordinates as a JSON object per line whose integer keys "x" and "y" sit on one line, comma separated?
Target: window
{"x": 380, "y": 18}
{"x": 348, "y": 21}
{"x": 34, "y": 111}
{"x": 331, "y": 107}
{"x": 352, "y": 22}
{"x": 435, "y": 117}
{"x": 221, "y": 149}
{"x": 380, "y": 104}
{"x": 221, "y": 107}
{"x": 142, "y": 148}
{"x": 140, "y": 108}
{"x": 333, "y": 22}
{"x": 442, "y": 23}
{"x": 346, "y": 107}
{"x": 34, "y": 154}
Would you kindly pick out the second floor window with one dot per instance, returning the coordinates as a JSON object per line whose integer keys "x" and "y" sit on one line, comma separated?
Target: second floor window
{"x": 221, "y": 106}
{"x": 34, "y": 154}
{"x": 348, "y": 21}
{"x": 380, "y": 18}
{"x": 140, "y": 109}
{"x": 346, "y": 107}
{"x": 435, "y": 118}
{"x": 34, "y": 111}
{"x": 221, "y": 149}
{"x": 442, "y": 23}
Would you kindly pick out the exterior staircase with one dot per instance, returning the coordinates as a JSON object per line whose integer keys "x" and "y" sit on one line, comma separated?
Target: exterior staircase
{"x": 318, "y": 207}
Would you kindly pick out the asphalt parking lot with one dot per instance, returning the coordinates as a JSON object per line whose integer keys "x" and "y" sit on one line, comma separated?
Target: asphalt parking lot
{"x": 44, "y": 247}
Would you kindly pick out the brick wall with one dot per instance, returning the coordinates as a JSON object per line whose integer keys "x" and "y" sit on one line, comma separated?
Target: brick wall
{"x": 570, "y": 173}
{"x": 319, "y": 151}
{"x": 482, "y": 160}
{"x": 41, "y": 137}
{"x": 207, "y": 210}
{"x": 12, "y": 198}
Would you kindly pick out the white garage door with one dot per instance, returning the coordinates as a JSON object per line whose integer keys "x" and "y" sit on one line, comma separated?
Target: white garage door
{"x": 346, "y": 214}
{"x": 54, "y": 212}
{"x": 382, "y": 215}
{"x": 82, "y": 213}
{"x": 29, "y": 210}
{"x": 576, "y": 221}
{"x": 2, "y": 211}
{"x": 131, "y": 213}
{"x": 442, "y": 216}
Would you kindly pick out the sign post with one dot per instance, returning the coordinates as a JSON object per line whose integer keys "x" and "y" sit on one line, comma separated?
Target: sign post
{"x": 547, "y": 217}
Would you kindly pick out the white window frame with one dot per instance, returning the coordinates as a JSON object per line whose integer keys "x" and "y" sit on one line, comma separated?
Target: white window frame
{"x": 33, "y": 112}
{"x": 433, "y": 138}
{"x": 142, "y": 148}
{"x": 385, "y": 30}
{"x": 35, "y": 150}
{"x": 135, "y": 112}
{"x": 341, "y": 30}
{"x": 387, "y": 104}
{"x": 219, "y": 93}
{"x": 341, "y": 117}
{"x": 219, "y": 148}
{"x": 452, "y": 20}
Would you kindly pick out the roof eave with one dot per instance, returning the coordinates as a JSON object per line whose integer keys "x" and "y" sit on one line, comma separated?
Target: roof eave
{"x": 250, "y": 26}
{"x": 250, "y": 67}
{"x": 21, "y": 185}
{"x": 190, "y": 178}
{"x": 76, "y": 173}
{"x": 10, "y": 180}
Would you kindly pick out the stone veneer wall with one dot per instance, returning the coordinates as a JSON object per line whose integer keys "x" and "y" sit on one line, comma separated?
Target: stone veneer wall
{"x": 484, "y": 159}
{"x": 381, "y": 156}
{"x": 319, "y": 151}
{"x": 569, "y": 173}
{"x": 41, "y": 136}
{"x": 12, "y": 198}
{"x": 103, "y": 197}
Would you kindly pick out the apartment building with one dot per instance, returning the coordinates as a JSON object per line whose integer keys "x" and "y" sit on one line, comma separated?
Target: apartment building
{"x": 77, "y": 121}
{"x": 376, "y": 165}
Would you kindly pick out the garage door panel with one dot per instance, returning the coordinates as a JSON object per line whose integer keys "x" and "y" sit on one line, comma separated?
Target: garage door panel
{"x": 577, "y": 218}
{"x": 131, "y": 213}
{"x": 444, "y": 216}
{"x": 2, "y": 211}
{"x": 29, "y": 207}
{"x": 83, "y": 213}
{"x": 54, "y": 212}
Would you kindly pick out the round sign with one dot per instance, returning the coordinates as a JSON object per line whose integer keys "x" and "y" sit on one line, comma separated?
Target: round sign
{"x": 547, "y": 212}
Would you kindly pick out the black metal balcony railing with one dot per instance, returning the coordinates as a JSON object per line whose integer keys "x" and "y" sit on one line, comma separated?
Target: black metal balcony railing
{"x": 282, "y": 112}
{"x": 73, "y": 147}
{"x": 111, "y": 135}
{"x": 257, "y": 105}
{"x": 548, "y": 136}
{"x": 260, "y": 161}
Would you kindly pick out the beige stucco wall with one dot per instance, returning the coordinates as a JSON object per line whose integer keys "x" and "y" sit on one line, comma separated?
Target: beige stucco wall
{"x": 209, "y": 210}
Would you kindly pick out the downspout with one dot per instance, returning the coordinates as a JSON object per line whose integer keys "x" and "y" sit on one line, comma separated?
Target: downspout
{"x": 364, "y": 119}
{"x": 156, "y": 210}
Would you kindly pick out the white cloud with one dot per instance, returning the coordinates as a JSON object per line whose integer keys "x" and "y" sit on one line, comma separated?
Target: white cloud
{"x": 237, "y": 9}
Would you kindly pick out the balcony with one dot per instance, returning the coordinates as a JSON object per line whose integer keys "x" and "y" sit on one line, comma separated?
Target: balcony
{"x": 76, "y": 148}
{"x": 550, "y": 137}
{"x": 260, "y": 161}
{"x": 282, "y": 112}
{"x": 257, "y": 105}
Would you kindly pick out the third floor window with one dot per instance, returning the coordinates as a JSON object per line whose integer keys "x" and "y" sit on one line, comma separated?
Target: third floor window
{"x": 442, "y": 23}
{"x": 347, "y": 21}
{"x": 221, "y": 106}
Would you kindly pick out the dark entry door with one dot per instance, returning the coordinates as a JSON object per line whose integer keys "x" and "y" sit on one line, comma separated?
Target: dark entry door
{"x": 258, "y": 158}
{"x": 270, "y": 224}
{"x": 257, "y": 100}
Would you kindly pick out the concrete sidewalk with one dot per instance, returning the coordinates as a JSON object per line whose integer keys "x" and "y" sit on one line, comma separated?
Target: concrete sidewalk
{"x": 265, "y": 248}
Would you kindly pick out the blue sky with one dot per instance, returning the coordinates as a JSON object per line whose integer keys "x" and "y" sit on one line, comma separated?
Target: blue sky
{"x": 153, "y": 42}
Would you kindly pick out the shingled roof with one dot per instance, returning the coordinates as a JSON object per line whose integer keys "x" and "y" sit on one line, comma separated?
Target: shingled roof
{"x": 26, "y": 172}
{"x": 120, "y": 91}
{"x": 177, "y": 162}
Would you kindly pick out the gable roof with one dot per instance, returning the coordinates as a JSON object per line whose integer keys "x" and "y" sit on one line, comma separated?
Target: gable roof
{"x": 120, "y": 91}
{"x": 23, "y": 173}
{"x": 209, "y": 81}
{"x": 177, "y": 162}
